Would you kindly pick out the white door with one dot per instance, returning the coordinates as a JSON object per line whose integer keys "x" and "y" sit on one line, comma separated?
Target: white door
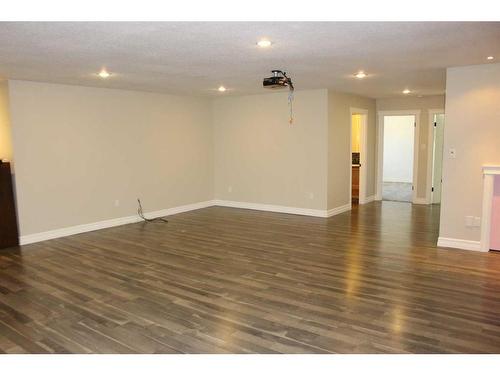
{"x": 437, "y": 169}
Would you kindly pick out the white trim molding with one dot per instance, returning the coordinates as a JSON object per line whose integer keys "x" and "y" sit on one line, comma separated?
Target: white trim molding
{"x": 339, "y": 210}
{"x": 420, "y": 201}
{"x": 457, "y": 243}
{"x": 489, "y": 173}
{"x": 368, "y": 199}
{"x": 68, "y": 231}
{"x": 491, "y": 169}
{"x": 363, "y": 146}
{"x": 284, "y": 209}
{"x": 430, "y": 151}
{"x": 83, "y": 228}
{"x": 402, "y": 112}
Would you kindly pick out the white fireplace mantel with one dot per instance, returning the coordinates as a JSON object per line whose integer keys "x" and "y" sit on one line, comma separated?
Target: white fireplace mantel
{"x": 491, "y": 169}
{"x": 489, "y": 172}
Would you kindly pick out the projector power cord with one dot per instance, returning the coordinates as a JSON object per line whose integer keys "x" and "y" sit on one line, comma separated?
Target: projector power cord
{"x": 140, "y": 212}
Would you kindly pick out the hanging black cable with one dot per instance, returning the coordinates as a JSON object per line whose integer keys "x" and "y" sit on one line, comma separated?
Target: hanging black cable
{"x": 281, "y": 80}
{"x": 140, "y": 212}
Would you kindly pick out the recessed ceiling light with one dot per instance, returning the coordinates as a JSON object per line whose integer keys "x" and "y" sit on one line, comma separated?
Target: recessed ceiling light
{"x": 264, "y": 43}
{"x": 406, "y": 91}
{"x": 104, "y": 73}
{"x": 490, "y": 58}
{"x": 221, "y": 89}
{"x": 360, "y": 74}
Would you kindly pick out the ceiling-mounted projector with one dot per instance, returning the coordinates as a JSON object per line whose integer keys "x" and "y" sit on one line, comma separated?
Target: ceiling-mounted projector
{"x": 279, "y": 80}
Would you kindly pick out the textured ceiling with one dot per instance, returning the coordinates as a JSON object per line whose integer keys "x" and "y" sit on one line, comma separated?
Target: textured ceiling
{"x": 195, "y": 58}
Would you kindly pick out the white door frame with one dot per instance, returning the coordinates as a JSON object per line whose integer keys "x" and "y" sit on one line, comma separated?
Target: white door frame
{"x": 430, "y": 153}
{"x": 380, "y": 148}
{"x": 363, "y": 144}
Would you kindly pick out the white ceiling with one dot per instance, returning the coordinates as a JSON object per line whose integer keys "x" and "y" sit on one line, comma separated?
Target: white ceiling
{"x": 195, "y": 58}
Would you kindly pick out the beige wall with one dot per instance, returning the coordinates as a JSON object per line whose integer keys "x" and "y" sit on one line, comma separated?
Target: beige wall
{"x": 78, "y": 149}
{"x": 339, "y": 158}
{"x": 472, "y": 127}
{"x": 5, "y": 131}
{"x": 263, "y": 159}
{"x": 423, "y": 104}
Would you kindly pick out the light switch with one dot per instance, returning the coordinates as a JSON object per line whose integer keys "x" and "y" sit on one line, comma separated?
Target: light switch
{"x": 453, "y": 153}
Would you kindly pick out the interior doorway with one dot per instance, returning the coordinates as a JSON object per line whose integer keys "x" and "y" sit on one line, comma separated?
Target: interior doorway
{"x": 357, "y": 157}
{"x": 398, "y": 134}
{"x": 437, "y": 156}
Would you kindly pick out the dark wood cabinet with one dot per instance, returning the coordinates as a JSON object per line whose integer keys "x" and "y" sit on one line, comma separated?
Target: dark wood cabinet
{"x": 355, "y": 183}
{"x": 8, "y": 222}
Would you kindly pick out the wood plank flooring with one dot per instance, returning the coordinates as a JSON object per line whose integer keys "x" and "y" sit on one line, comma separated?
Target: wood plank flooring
{"x": 224, "y": 280}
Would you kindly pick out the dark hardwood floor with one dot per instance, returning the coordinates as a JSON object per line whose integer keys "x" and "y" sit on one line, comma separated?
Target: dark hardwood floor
{"x": 223, "y": 280}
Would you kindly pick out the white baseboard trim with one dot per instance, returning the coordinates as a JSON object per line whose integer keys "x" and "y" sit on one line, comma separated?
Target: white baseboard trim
{"x": 368, "y": 199}
{"x": 457, "y": 243}
{"x": 339, "y": 210}
{"x": 68, "y": 231}
{"x": 420, "y": 201}
{"x": 271, "y": 208}
{"x": 180, "y": 209}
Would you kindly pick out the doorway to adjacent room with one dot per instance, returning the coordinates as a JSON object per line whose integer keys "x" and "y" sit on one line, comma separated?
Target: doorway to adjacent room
{"x": 359, "y": 118}
{"x": 397, "y": 140}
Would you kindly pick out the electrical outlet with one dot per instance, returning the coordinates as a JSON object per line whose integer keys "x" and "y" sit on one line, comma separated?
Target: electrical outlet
{"x": 117, "y": 203}
{"x": 477, "y": 221}
{"x": 229, "y": 189}
{"x": 311, "y": 195}
{"x": 469, "y": 221}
